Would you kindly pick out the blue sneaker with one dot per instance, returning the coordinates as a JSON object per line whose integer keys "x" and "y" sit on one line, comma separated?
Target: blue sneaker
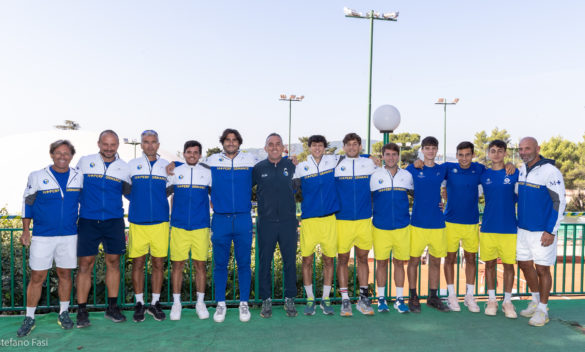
{"x": 382, "y": 305}
{"x": 400, "y": 306}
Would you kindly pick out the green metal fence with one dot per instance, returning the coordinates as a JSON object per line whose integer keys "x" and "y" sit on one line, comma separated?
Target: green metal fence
{"x": 568, "y": 276}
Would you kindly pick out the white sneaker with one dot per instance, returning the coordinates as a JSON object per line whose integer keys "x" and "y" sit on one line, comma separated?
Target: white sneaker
{"x": 201, "y": 310}
{"x": 530, "y": 310}
{"x": 453, "y": 303}
{"x": 244, "y": 312}
{"x": 219, "y": 315}
{"x": 176, "y": 311}
{"x": 491, "y": 308}
{"x": 471, "y": 304}
{"x": 509, "y": 310}
{"x": 539, "y": 318}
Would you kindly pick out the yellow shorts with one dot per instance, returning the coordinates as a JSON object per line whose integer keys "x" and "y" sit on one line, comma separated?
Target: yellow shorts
{"x": 141, "y": 238}
{"x": 467, "y": 234}
{"x": 319, "y": 231}
{"x": 354, "y": 233}
{"x": 397, "y": 241}
{"x": 435, "y": 239}
{"x": 184, "y": 240}
{"x": 498, "y": 245}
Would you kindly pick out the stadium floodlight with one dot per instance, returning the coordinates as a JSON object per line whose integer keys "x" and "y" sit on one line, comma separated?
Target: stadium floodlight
{"x": 290, "y": 99}
{"x": 443, "y": 101}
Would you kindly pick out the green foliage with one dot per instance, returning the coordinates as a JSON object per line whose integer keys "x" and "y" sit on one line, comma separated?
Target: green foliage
{"x": 409, "y": 146}
{"x": 482, "y": 140}
{"x": 211, "y": 151}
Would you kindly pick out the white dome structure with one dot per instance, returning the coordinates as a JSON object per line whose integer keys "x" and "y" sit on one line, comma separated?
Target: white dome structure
{"x": 25, "y": 153}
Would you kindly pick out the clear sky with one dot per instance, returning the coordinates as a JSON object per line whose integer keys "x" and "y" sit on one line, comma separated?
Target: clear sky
{"x": 189, "y": 69}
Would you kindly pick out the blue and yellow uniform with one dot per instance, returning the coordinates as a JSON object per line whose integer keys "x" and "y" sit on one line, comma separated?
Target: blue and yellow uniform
{"x": 352, "y": 180}
{"x": 391, "y": 213}
{"x": 462, "y": 212}
{"x": 231, "y": 197}
{"x": 319, "y": 205}
{"x": 149, "y": 208}
{"x": 427, "y": 220}
{"x": 190, "y": 218}
{"x": 499, "y": 225}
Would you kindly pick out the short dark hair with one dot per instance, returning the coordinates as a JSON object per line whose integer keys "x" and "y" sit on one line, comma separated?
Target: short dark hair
{"x": 59, "y": 143}
{"x": 352, "y": 137}
{"x": 498, "y": 143}
{"x": 430, "y": 141}
{"x": 391, "y": 146}
{"x": 465, "y": 145}
{"x": 190, "y": 144}
{"x": 227, "y": 131}
{"x": 317, "y": 138}
{"x": 108, "y": 132}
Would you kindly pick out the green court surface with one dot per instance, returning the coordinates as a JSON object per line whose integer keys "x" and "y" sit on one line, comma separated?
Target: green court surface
{"x": 429, "y": 331}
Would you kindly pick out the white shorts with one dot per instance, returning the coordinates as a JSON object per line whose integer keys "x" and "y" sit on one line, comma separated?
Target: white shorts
{"x": 43, "y": 249}
{"x": 528, "y": 247}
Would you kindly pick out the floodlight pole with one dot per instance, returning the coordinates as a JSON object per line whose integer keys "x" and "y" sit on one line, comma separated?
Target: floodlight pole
{"x": 290, "y": 99}
{"x": 444, "y": 102}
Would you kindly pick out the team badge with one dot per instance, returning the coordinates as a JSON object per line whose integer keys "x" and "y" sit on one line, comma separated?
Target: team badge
{"x": 488, "y": 181}
{"x": 343, "y": 168}
{"x": 220, "y": 159}
{"x": 285, "y": 172}
{"x": 454, "y": 171}
{"x": 139, "y": 167}
{"x": 45, "y": 181}
{"x": 306, "y": 168}
{"x": 506, "y": 181}
{"x": 181, "y": 177}
{"x": 380, "y": 181}
{"x": 92, "y": 164}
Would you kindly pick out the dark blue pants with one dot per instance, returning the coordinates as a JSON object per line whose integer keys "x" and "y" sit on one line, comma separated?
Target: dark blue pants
{"x": 225, "y": 229}
{"x": 285, "y": 233}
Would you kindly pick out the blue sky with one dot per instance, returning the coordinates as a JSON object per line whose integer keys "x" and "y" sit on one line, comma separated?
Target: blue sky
{"x": 189, "y": 69}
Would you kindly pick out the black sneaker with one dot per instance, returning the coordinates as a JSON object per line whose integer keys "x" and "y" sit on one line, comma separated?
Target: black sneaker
{"x": 27, "y": 326}
{"x": 435, "y": 302}
{"x": 289, "y": 307}
{"x": 266, "y": 308}
{"x": 138, "y": 312}
{"x": 114, "y": 314}
{"x": 414, "y": 304}
{"x": 82, "y": 318}
{"x": 156, "y": 312}
{"x": 65, "y": 321}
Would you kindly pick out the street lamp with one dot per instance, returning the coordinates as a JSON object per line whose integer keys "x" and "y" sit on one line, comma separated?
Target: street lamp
{"x": 133, "y": 142}
{"x": 371, "y": 15}
{"x": 386, "y": 120}
{"x": 290, "y": 99}
{"x": 443, "y": 101}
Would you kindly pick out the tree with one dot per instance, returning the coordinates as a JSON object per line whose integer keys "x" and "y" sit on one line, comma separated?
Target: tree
{"x": 482, "y": 141}
{"x": 567, "y": 158}
{"x": 211, "y": 151}
{"x": 408, "y": 143}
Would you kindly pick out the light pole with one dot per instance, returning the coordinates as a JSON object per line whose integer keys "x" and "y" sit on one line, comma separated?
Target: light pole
{"x": 443, "y": 101}
{"x": 290, "y": 99}
{"x": 371, "y": 15}
{"x": 133, "y": 142}
{"x": 386, "y": 120}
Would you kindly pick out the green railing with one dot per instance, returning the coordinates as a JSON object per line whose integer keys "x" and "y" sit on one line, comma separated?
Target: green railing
{"x": 568, "y": 276}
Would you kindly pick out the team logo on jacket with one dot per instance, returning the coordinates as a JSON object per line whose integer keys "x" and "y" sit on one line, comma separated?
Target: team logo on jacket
{"x": 45, "y": 181}
{"x": 285, "y": 172}
{"x": 343, "y": 168}
{"x": 306, "y": 168}
{"x": 92, "y": 164}
{"x": 220, "y": 159}
{"x": 380, "y": 181}
{"x": 181, "y": 177}
{"x": 139, "y": 166}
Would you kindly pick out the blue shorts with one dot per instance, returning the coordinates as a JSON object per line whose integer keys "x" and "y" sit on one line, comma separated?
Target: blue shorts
{"x": 93, "y": 232}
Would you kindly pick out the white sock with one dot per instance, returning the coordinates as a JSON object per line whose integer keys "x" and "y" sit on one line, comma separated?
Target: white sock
{"x": 327, "y": 291}
{"x": 399, "y": 292}
{"x": 200, "y": 297}
{"x": 542, "y": 306}
{"x": 155, "y": 298}
{"x": 451, "y": 290}
{"x": 64, "y": 306}
{"x": 139, "y": 298}
{"x": 309, "y": 291}
{"x": 222, "y": 303}
{"x": 382, "y": 291}
{"x": 507, "y": 296}
{"x": 344, "y": 294}
{"x": 492, "y": 294}
{"x": 536, "y": 296}
{"x": 243, "y": 304}
{"x": 30, "y": 312}
{"x": 470, "y": 289}
{"x": 176, "y": 298}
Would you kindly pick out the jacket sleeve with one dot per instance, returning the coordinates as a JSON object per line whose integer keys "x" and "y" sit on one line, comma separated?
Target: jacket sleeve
{"x": 556, "y": 190}
{"x": 30, "y": 194}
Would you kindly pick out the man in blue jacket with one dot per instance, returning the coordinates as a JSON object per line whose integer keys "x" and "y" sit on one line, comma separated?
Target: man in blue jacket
{"x": 51, "y": 200}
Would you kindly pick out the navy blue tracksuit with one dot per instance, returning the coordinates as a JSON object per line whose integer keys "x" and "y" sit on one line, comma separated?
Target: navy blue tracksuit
{"x": 277, "y": 222}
